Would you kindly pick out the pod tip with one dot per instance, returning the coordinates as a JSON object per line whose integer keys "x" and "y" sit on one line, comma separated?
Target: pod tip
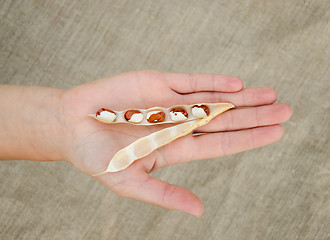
{"x": 97, "y": 174}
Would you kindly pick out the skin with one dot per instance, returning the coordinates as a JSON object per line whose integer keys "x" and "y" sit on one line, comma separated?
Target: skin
{"x": 48, "y": 124}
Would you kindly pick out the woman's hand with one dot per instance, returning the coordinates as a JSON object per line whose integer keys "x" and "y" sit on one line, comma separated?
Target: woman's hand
{"x": 90, "y": 145}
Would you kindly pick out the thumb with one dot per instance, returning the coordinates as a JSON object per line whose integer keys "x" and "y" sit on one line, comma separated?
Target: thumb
{"x": 168, "y": 196}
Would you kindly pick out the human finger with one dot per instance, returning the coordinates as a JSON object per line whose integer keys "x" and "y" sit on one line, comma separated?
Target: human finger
{"x": 218, "y": 144}
{"x": 243, "y": 118}
{"x": 162, "y": 194}
{"x": 247, "y": 97}
{"x": 184, "y": 83}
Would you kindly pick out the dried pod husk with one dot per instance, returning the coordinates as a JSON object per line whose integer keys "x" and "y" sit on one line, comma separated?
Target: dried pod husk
{"x": 146, "y": 145}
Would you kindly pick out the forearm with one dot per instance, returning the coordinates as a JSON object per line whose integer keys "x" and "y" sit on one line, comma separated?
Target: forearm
{"x": 31, "y": 124}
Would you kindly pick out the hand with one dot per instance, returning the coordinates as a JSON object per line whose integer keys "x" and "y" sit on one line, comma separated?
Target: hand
{"x": 91, "y": 144}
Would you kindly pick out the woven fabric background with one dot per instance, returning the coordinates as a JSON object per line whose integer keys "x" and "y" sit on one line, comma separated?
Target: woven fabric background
{"x": 281, "y": 191}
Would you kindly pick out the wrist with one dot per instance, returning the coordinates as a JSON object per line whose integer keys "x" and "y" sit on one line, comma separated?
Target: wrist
{"x": 32, "y": 123}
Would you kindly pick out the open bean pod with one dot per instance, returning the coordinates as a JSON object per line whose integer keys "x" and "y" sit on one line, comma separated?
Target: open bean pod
{"x": 158, "y": 115}
{"x": 196, "y": 116}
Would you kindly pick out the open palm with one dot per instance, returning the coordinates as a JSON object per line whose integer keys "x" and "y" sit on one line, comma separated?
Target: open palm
{"x": 92, "y": 144}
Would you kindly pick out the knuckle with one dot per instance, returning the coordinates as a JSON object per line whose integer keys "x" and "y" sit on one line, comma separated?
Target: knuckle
{"x": 224, "y": 143}
{"x": 251, "y": 139}
{"x": 256, "y": 116}
{"x": 229, "y": 122}
{"x": 168, "y": 192}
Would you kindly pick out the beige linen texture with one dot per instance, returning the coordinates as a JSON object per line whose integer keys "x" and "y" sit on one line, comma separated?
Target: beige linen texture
{"x": 280, "y": 191}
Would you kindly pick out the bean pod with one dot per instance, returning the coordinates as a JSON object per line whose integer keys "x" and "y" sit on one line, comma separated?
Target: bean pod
{"x": 157, "y": 115}
{"x": 190, "y": 117}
